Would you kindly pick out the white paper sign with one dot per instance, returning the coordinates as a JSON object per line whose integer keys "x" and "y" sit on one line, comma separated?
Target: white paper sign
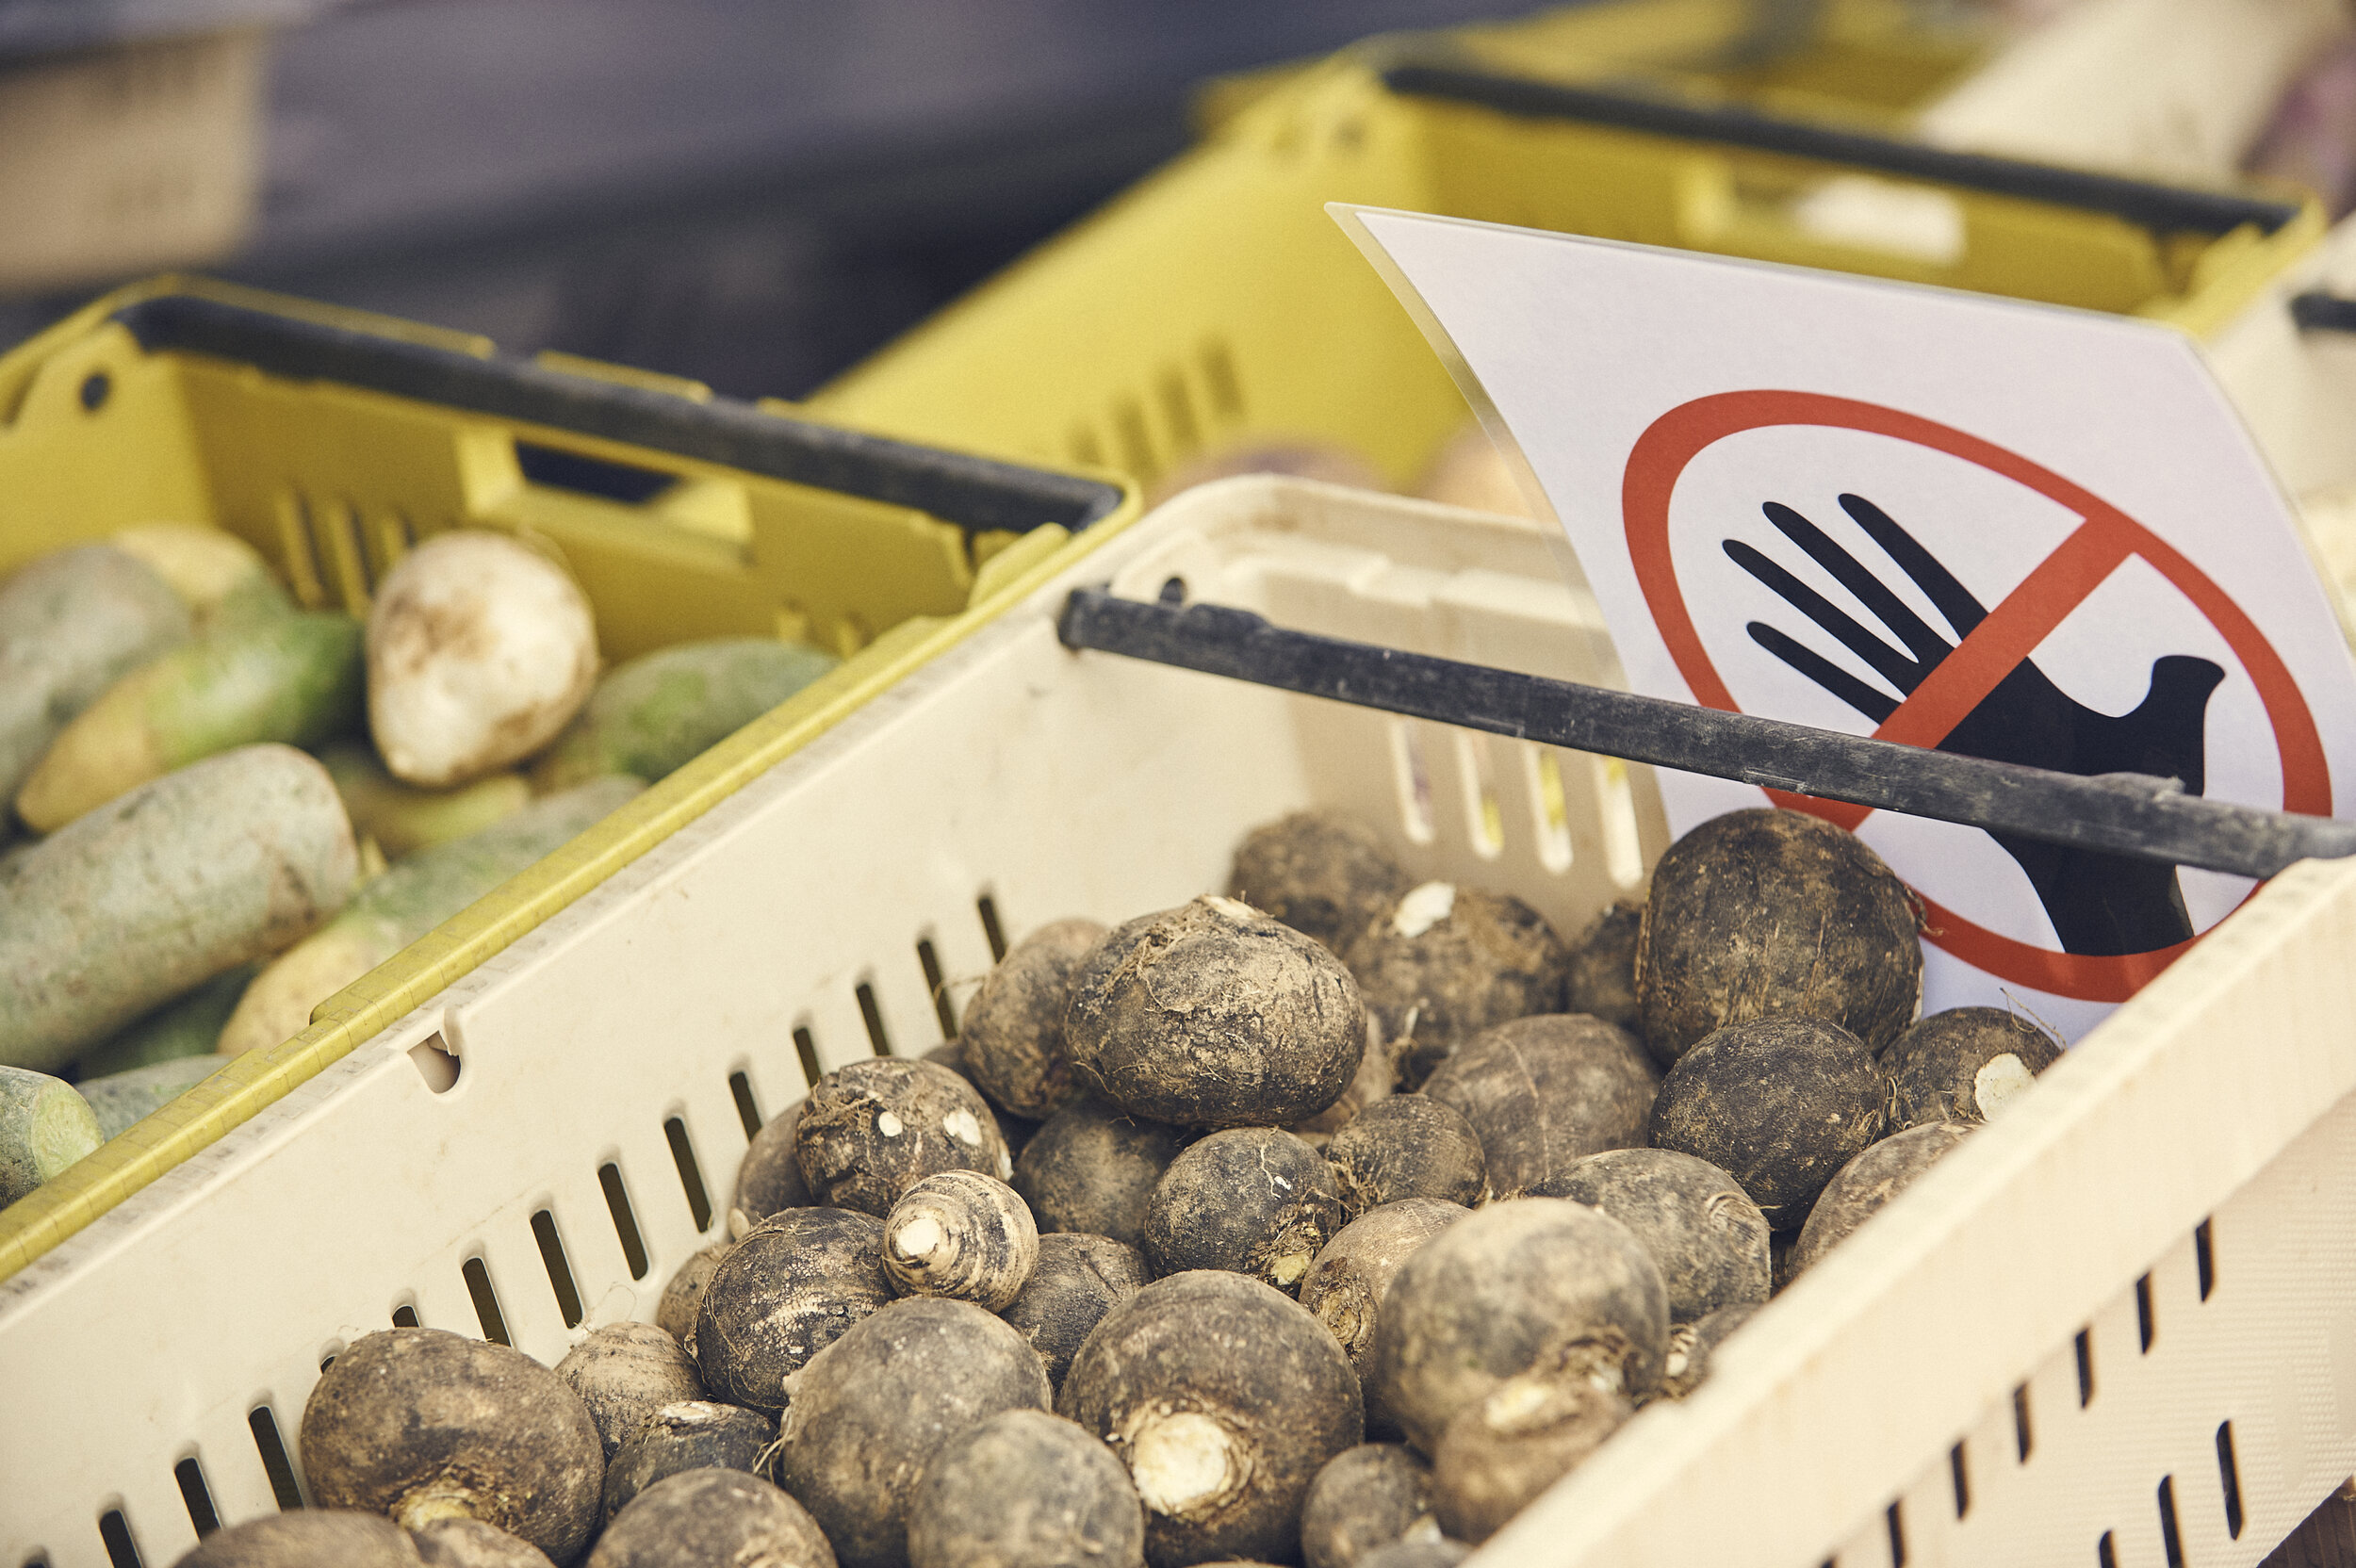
{"x": 2011, "y": 530}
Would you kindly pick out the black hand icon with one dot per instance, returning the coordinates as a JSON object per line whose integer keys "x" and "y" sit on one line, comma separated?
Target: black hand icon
{"x": 2099, "y": 903}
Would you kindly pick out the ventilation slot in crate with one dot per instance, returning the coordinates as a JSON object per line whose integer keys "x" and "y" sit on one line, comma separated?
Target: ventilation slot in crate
{"x": 871, "y": 1013}
{"x": 691, "y": 1176}
{"x": 747, "y": 1109}
{"x": 280, "y": 1468}
{"x": 486, "y": 1302}
{"x": 937, "y": 985}
{"x": 202, "y": 1515}
{"x": 986, "y": 907}
{"x": 625, "y": 1219}
{"x": 114, "y": 1530}
{"x": 559, "y": 1268}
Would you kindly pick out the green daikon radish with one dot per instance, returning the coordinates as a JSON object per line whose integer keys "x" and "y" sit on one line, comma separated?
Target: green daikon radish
{"x": 292, "y": 677}
{"x": 404, "y": 904}
{"x": 159, "y": 889}
{"x": 403, "y": 819}
{"x": 71, "y": 624}
{"x": 481, "y": 649}
{"x": 220, "y": 577}
{"x": 120, "y": 1098}
{"x": 661, "y": 709}
{"x": 189, "y": 1025}
{"x": 45, "y": 1127}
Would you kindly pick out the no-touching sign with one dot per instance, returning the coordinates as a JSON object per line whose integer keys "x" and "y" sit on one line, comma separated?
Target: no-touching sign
{"x": 2004, "y": 531}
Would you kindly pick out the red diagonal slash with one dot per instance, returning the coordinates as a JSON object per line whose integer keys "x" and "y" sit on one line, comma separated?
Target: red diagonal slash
{"x": 2097, "y": 548}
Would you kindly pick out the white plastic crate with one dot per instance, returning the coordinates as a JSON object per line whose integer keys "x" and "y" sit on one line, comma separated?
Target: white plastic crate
{"x": 2296, "y": 388}
{"x": 1015, "y": 775}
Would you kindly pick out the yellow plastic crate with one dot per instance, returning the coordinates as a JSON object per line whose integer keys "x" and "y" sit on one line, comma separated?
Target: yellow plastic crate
{"x": 1872, "y": 62}
{"x": 334, "y": 441}
{"x": 1217, "y": 305}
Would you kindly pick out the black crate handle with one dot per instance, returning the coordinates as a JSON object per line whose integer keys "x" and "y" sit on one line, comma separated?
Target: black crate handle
{"x": 2160, "y": 208}
{"x": 974, "y": 493}
{"x": 2316, "y": 311}
{"x": 2151, "y": 819}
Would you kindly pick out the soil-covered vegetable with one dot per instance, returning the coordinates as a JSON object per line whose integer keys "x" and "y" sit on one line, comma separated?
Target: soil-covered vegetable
{"x": 874, "y": 1128}
{"x": 1224, "y": 1399}
{"x": 1500, "y": 1452}
{"x": 1015, "y": 1130}
{"x": 770, "y": 1177}
{"x": 1442, "y": 1553}
{"x": 71, "y": 624}
{"x": 683, "y": 1294}
{"x": 293, "y": 678}
{"x": 1407, "y": 1146}
{"x": 692, "y": 1434}
{"x": 868, "y": 1413}
{"x": 1874, "y": 1178}
{"x": 473, "y": 1544}
{"x": 1077, "y": 1279}
{"x": 45, "y": 1125}
{"x": 422, "y": 1424}
{"x": 1966, "y": 1064}
{"x": 713, "y": 1519}
{"x": 789, "y": 1289}
{"x": 306, "y": 1538}
{"x": 1376, "y": 1079}
{"x": 1692, "y": 1347}
{"x": 395, "y": 909}
{"x": 1779, "y": 1105}
{"x": 122, "y": 1099}
{"x": 1767, "y": 913}
{"x": 1346, "y": 1285}
{"x": 1011, "y": 1042}
{"x": 1469, "y": 470}
{"x": 1365, "y": 1498}
{"x": 1025, "y": 1489}
{"x": 402, "y": 818}
{"x": 1449, "y": 962}
{"x": 1601, "y": 978}
{"x": 1213, "y": 1015}
{"x": 1093, "y": 1168}
{"x": 1545, "y": 1092}
{"x": 222, "y": 578}
{"x": 1537, "y": 1285}
{"x": 1699, "y": 1225}
{"x": 624, "y": 1372}
{"x": 189, "y": 1025}
{"x": 1256, "y": 1201}
{"x": 1326, "y": 875}
{"x": 480, "y": 650}
{"x": 961, "y": 1234}
{"x": 160, "y": 889}
{"x": 652, "y": 714}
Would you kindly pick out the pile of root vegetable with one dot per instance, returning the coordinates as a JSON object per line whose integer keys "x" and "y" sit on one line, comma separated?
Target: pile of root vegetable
{"x": 1329, "y": 1220}
{"x": 238, "y": 806}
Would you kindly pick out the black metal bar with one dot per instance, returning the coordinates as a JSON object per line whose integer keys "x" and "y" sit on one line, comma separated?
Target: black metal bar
{"x": 2316, "y": 311}
{"x": 971, "y": 492}
{"x": 2163, "y": 209}
{"x": 2131, "y": 814}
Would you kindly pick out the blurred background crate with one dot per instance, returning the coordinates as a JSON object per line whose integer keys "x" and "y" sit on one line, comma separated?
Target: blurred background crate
{"x": 751, "y": 194}
{"x": 758, "y": 193}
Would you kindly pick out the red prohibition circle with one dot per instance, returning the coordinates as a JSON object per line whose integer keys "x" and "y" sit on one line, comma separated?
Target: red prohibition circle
{"x": 2104, "y": 539}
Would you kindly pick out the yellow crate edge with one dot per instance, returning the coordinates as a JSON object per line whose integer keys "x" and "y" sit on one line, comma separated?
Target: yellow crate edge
{"x": 251, "y": 1084}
